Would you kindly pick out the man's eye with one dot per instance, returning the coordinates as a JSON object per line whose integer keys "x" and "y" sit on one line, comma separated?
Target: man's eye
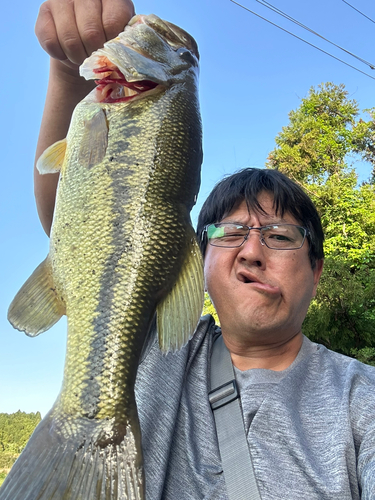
{"x": 226, "y": 232}
{"x": 279, "y": 237}
{"x": 233, "y": 235}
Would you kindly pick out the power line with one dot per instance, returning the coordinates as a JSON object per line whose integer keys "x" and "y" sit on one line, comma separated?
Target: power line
{"x": 290, "y": 18}
{"x": 364, "y": 15}
{"x": 303, "y": 40}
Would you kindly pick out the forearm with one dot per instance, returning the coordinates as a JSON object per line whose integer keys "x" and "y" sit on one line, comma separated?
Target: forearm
{"x": 65, "y": 90}
{"x": 69, "y": 31}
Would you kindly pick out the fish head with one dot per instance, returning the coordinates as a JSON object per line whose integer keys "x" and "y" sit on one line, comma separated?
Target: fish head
{"x": 149, "y": 54}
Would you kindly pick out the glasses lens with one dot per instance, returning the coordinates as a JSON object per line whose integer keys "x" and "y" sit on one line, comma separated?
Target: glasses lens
{"x": 284, "y": 236}
{"x": 226, "y": 235}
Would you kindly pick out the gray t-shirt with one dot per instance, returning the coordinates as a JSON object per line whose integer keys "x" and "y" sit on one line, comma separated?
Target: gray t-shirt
{"x": 312, "y": 436}
{"x": 255, "y": 384}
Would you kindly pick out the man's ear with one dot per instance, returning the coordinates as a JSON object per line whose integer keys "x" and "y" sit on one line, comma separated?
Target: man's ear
{"x": 317, "y": 274}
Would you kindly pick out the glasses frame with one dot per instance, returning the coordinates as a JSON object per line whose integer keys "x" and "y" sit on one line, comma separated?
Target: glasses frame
{"x": 261, "y": 238}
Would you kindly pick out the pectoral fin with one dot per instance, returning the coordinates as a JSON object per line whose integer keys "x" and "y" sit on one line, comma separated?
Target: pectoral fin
{"x": 179, "y": 313}
{"x": 52, "y": 158}
{"x": 36, "y": 307}
{"x": 94, "y": 141}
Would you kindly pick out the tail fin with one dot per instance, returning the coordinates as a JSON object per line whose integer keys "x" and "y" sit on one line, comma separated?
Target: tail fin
{"x": 63, "y": 461}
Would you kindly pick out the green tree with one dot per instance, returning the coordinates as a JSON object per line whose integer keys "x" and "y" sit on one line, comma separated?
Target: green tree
{"x": 15, "y": 431}
{"x": 317, "y": 149}
{"x": 209, "y": 308}
{"x": 321, "y": 133}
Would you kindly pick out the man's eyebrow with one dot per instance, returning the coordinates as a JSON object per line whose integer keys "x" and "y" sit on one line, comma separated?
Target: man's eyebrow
{"x": 233, "y": 221}
{"x": 276, "y": 220}
{"x": 270, "y": 219}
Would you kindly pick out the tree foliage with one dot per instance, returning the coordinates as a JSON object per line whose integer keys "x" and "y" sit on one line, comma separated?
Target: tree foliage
{"x": 209, "y": 308}
{"x": 15, "y": 431}
{"x": 317, "y": 149}
{"x": 321, "y": 133}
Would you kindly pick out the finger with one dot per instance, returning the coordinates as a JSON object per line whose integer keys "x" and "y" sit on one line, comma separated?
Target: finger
{"x": 88, "y": 15}
{"x": 45, "y": 31}
{"x": 116, "y": 14}
{"x": 67, "y": 31}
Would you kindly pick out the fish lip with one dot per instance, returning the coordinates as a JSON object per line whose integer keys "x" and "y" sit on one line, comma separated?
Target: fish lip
{"x": 137, "y": 19}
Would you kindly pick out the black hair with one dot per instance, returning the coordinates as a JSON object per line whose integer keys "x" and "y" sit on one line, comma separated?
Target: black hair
{"x": 246, "y": 185}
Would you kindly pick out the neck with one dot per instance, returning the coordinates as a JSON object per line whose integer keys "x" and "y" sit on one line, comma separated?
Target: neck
{"x": 276, "y": 356}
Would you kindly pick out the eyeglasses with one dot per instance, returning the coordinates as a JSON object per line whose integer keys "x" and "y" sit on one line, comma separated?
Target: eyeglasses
{"x": 274, "y": 236}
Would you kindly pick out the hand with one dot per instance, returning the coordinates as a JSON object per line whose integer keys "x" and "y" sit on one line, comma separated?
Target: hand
{"x": 70, "y": 30}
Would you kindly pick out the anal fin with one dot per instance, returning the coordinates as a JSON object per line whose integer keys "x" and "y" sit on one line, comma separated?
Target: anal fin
{"x": 179, "y": 312}
{"x": 36, "y": 307}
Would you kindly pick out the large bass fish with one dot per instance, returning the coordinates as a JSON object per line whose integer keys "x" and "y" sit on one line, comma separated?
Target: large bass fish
{"x": 122, "y": 249}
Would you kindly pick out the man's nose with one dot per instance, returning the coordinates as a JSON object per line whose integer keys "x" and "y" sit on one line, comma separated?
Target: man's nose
{"x": 252, "y": 250}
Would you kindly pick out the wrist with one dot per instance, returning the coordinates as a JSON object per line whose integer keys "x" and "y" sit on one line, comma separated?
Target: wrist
{"x": 67, "y": 75}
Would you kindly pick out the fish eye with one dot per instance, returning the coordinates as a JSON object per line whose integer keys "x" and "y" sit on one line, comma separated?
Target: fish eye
{"x": 186, "y": 55}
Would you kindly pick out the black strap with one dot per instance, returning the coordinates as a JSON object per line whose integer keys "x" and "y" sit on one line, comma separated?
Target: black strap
{"x": 234, "y": 450}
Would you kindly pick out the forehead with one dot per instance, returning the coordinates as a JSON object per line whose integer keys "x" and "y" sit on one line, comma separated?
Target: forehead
{"x": 242, "y": 213}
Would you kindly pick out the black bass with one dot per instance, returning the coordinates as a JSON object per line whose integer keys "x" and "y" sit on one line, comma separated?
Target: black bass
{"x": 122, "y": 249}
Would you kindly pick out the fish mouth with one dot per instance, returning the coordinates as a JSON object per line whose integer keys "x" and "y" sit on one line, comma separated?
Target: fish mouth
{"x": 113, "y": 87}
{"x": 149, "y": 53}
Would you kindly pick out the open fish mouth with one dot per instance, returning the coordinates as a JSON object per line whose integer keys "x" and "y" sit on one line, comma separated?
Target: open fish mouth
{"x": 113, "y": 87}
{"x": 149, "y": 53}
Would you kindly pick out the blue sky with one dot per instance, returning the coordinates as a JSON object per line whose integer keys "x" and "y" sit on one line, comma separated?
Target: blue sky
{"x": 252, "y": 75}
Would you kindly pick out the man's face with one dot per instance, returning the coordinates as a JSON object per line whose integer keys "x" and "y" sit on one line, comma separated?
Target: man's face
{"x": 259, "y": 292}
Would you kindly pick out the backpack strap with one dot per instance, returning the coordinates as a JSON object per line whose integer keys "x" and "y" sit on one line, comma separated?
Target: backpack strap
{"x": 234, "y": 450}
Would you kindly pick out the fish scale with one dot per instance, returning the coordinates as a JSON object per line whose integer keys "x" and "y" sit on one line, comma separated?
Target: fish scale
{"x": 122, "y": 251}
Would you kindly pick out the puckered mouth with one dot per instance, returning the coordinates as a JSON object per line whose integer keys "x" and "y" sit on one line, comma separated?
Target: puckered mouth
{"x": 113, "y": 87}
{"x": 247, "y": 278}
{"x": 252, "y": 280}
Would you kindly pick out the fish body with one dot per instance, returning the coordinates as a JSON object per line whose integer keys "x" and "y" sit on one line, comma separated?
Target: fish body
{"x": 122, "y": 249}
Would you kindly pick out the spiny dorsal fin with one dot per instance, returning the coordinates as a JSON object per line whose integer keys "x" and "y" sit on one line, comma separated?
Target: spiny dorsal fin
{"x": 36, "y": 307}
{"x": 52, "y": 158}
{"x": 179, "y": 313}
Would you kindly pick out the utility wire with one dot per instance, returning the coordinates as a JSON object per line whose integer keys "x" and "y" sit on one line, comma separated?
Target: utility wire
{"x": 364, "y": 15}
{"x": 290, "y": 18}
{"x": 299, "y": 38}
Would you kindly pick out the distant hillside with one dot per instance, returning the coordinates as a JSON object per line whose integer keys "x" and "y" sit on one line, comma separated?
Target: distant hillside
{"x": 15, "y": 431}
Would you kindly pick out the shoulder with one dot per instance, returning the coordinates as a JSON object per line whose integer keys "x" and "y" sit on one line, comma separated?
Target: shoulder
{"x": 331, "y": 378}
{"x": 204, "y": 334}
{"x": 163, "y": 375}
{"x": 154, "y": 360}
{"x": 347, "y": 382}
{"x": 344, "y": 367}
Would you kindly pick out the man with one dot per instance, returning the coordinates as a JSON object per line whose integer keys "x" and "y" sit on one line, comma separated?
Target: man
{"x": 308, "y": 412}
